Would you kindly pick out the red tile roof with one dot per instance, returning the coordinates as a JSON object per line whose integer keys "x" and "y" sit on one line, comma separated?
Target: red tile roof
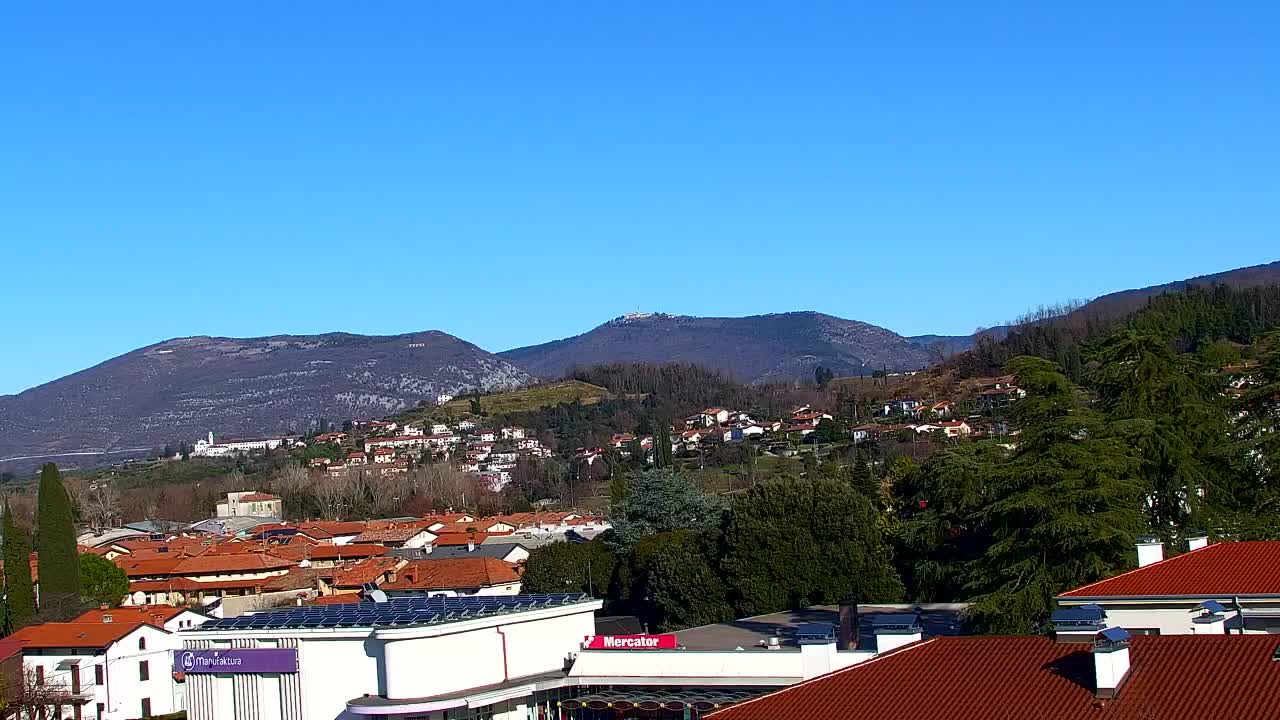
{"x": 461, "y": 538}
{"x": 453, "y": 573}
{"x": 216, "y": 563}
{"x": 364, "y": 571}
{"x": 1220, "y": 570}
{"x": 1172, "y": 677}
{"x": 351, "y": 551}
{"x": 73, "y": 634}
{"x": 156, "y": 615}
{"x": 403, "y": 534}
{"x": 343, "y": 599}
{"x": 257, "y": 497}
{"x": 335, "y": 527}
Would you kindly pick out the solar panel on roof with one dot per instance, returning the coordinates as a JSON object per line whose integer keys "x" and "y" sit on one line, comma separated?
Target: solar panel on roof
{"x": 1114, "y": 634}
{"x": 895, "y": 620}
{"x": 1083, "y": 615}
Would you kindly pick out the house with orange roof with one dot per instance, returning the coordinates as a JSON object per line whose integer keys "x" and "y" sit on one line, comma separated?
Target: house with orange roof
{"x": 351, "y": 577}
{"x": 399, "y": 536}
{"x": 104, "y": 668}
{"x": 167, "y": 617}
{"x": 1224, "y": 587}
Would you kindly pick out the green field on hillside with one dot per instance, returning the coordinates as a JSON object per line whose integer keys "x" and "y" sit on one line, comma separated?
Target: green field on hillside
{"x": 532, "y": 398}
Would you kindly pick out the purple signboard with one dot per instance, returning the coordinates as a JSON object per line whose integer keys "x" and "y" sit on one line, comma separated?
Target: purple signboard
{"x": 257, "y": 660}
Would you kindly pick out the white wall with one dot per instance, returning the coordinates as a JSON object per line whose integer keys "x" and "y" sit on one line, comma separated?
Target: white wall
{"x": 120, "y": 674}
{"x": 727, "y": 667}
{"x": 335, "y": 671}
{"x": 1174, "y": 617}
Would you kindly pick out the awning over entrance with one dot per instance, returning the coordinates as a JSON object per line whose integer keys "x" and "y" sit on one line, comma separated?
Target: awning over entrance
{"x": 646, "y": 699}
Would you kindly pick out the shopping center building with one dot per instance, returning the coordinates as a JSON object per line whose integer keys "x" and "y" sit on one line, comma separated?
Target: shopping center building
{"x": 524, "y": 657}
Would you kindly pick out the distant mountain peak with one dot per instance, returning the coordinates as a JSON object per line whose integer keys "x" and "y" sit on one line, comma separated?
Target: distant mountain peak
{"x": 757, "y": 348}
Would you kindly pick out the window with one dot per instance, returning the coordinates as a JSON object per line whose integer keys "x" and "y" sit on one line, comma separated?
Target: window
{"x": 142, "y": 643}
{"x": 97, "y": 675}
{"x": 40, "y": 675}
{"x": 144, "y": 670}
{"x": 101, "y": 708}
{"x": 1144, "y": 631}
{"x": 146, "y": 707}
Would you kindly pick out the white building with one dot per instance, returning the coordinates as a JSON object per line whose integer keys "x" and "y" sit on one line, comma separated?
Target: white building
{"x": 1171, "y": 596}
{"x": 251, "y": 503}
{"x": 208, "y": 448}
{"x": 109, "y": 670}
{"x": 404, "y": 658}
{"x": 508, "y": 658}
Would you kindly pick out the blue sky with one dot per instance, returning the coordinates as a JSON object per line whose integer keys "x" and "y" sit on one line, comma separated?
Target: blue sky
{"x": 516, "y": 172}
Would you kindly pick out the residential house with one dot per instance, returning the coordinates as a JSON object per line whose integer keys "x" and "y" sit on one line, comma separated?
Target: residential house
{"x": 250, "y": 503}
{"x": 498, "y": 547}
{"x": 167, "y": 617}
{"x": 350, "y": 578}
{"x": 384, "y": 455}
{"x": 105, "y": 669}
{"x": 711, "y": 417}
{"x": 356, "y": 457}
{"x": 955, "y": 428}
{"x": 513, "y": 433}
{"x": 408, "y": 536}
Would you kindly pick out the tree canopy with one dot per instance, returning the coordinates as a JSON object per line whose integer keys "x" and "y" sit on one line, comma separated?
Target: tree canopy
{"x": 102, "y": 581}
{"x": 793, "y": 543}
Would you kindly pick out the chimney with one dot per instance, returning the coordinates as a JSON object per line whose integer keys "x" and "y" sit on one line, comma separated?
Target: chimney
{"x": 1210, "y": 620}
{"x": 1150, "y": 550}
{"x": 471, "y": 545}
{"x": 893, "y": 630}
{"x": 1110, "y": 662}
{"x": 1196, "y": 542}
{"x": 848, "y": 628}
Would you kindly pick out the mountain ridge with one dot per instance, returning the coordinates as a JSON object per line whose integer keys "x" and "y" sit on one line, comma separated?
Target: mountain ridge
{"x": 182, "y": 388}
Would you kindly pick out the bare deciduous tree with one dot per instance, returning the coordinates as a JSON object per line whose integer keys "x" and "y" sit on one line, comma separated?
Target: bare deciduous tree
{"x": 33, "y": 696}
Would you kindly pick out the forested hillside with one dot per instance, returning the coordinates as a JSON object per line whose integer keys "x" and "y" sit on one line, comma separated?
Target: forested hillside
{"x": 1164, "y": 423}
{"x": 1186, "y": 319}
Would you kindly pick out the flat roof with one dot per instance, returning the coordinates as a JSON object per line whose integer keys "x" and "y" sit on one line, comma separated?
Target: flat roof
{"x": 754, "y": 632}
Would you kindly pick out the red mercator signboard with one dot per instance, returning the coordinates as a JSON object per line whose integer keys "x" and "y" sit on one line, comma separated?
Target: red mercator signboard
{"x": 631, "y": 642}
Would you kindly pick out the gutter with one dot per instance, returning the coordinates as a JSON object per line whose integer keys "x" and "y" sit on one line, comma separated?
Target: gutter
{"x": 505, "y": 674}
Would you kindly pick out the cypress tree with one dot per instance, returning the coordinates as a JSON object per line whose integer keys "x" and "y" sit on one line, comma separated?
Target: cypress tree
{"x": 21, "y": 601}
{"x": 56, "y": 545}
{"x": 662, "y": 446}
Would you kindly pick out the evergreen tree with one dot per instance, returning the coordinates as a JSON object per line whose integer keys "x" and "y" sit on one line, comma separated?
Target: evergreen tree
{"x": 56, "y": 547}
{"x": 19, "y": 595}
{"x": 662, "y": 445}
{"x": 1065, "y": 509}
{"x": 680, "y": 586}
{"x": 795, "y": 543}
{"x": 1169, "y": 411}
{"x": 660, "y": 500}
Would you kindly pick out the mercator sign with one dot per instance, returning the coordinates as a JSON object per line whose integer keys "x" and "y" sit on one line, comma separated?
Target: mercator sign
{"x": 631, "y": 642}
